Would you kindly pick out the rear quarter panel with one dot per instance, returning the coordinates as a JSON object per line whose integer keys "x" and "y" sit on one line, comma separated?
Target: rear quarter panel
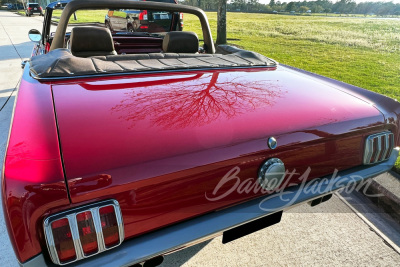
{"x": 33, "y": 179}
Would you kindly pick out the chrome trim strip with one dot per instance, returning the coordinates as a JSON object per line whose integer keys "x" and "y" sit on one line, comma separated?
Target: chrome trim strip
{"x": 379, "y": 148}
{"x": 385, "y": 152}
{"x": 181, "y": 235}
{"x": 75, "y": 235}
{"x": 50, "y": 242}
{"x": 391, "y": 137}
{"x": 368, "y": 150}
{"x": 97, "y": 227}
{"x": 71, "y": 216}
{"x": 119, "y": 221}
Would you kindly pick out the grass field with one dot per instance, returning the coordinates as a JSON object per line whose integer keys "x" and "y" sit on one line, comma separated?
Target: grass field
{"x": 361, "y": 51}
{"x": 358, "y": 51}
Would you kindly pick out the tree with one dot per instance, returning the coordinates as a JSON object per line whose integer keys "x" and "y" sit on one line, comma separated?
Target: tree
{"x": 272, "y": 3}
{"x": 196, "y": 101}
{"x": 291, "y": 6}
{"x": 317, "y": 9}
{"x": 303, "y": 9}
{"x": 221, "y": 20}
{"x": 327, "y": 10}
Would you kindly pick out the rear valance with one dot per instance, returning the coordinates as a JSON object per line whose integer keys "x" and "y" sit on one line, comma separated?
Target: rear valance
{"x": 60, "y": 63}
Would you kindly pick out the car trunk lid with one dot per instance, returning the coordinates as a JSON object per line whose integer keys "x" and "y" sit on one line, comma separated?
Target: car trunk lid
{"x": 162, "y": 143}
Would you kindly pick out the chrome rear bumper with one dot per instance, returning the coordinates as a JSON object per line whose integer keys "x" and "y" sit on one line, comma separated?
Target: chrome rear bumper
{"x": 205, "y": 227}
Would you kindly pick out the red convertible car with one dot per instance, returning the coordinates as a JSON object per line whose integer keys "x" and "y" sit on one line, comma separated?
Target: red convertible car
{"x": 125, "y": 147}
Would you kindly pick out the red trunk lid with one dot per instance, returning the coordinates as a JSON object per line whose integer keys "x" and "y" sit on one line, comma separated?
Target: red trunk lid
{"x": 161, "y": 143}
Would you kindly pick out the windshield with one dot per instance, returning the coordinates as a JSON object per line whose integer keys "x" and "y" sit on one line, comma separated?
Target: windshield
{"x": 126, "y": 21}
{"x": 140, "y": 21}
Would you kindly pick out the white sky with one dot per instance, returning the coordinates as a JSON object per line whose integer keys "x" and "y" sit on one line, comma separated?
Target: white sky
{"x": 357, "y": 1}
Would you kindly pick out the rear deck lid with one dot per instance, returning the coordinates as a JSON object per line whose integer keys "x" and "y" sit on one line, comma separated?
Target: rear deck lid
{"x": 110, "y": 123}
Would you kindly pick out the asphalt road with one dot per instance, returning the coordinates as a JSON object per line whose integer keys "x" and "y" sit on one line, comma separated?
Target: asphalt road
{"x": 329, "y": 234}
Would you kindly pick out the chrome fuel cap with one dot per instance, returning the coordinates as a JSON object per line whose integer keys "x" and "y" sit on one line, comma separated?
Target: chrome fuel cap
{"x": 271, "y": 174}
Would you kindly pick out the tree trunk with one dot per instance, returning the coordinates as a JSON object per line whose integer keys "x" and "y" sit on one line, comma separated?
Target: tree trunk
{"x": 221, "y": 19}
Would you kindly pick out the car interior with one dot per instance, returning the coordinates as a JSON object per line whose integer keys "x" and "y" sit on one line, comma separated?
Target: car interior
{"x": 95, "y": 50}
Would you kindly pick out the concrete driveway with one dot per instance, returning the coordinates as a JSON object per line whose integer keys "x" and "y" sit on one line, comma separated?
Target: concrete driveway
{"x": 329, "y": 234}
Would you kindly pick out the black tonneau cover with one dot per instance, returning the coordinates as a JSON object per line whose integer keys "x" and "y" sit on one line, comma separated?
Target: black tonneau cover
{"x": 60, "y": 63}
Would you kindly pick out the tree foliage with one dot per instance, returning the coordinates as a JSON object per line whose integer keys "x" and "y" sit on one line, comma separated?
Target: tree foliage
{"x": 317, "y": 6}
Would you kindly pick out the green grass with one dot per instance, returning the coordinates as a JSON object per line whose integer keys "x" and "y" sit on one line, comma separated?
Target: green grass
{"x": 362, "y": 52}
{"x": 84, "y": 16}
{"x": 359, "y": 51}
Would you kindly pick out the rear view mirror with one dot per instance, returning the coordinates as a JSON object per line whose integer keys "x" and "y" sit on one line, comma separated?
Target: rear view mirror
{"x": 34, "y": 35}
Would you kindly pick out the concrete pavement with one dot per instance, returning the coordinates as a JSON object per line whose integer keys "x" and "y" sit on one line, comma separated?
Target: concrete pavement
{"x": 14, "y": 45}
{"x": 329, "y": 234}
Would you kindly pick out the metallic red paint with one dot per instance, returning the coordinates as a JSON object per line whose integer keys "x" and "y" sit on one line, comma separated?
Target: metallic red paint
{"x": 33, "y": 175}
{"x": 165, "y": 140}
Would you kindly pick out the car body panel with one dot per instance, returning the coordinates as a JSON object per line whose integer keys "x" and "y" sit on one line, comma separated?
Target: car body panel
{"x": 33, "y": 179}
{"x": 146, "y": 140}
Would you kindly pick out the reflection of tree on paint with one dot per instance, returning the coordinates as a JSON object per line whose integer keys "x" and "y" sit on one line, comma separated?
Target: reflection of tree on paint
{"x": 204, "y": 100}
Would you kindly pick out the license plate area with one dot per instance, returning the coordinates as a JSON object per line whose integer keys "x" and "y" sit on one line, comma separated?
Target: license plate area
{"x": 251, "y": 227}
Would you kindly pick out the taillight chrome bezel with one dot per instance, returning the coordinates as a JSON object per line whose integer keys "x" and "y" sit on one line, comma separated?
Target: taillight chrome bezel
{"x": 378, "y": 147}
{"x": 71, "y": 216}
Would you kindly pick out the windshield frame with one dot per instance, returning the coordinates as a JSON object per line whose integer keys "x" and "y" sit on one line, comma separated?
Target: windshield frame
{"x": 71, "y": 7}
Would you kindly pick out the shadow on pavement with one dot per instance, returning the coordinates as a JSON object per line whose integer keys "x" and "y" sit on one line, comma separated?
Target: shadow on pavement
{"x": 5, "y": 97}
{"x": 15, "y": 51}
{"x": 180, "y": 257}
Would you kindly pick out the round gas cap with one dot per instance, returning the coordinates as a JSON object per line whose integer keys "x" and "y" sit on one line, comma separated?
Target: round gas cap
{"x": 271, "y": 174}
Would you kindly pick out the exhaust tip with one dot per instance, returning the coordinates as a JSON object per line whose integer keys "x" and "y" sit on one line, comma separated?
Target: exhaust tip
{"x": 319, "y": 200}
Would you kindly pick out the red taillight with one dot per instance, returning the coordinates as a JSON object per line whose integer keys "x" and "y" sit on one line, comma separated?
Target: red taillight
{"x": 87, "y": 232}
{"x": 47, "y": 47}
{"x": 63, "y": 241}
{"x": 144, "y": 27}
{"x": 109, "y": 225}
{"x": 83, "y": 232}
{"x": 180, "y": 15}
{"x": 29, "y": 8}
{"x": 142, "y": 15}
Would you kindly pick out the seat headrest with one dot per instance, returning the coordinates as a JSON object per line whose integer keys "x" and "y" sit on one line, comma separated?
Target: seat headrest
{"x": 91, "y": 41}
{"x": 180, "y": 42}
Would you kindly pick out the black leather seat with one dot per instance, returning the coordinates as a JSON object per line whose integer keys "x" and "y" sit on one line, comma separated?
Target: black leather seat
{"x": 180, "y": 42}
{"x": 91, "y": 41}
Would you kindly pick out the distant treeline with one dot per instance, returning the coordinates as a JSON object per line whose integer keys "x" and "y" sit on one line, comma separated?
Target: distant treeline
{"x": 319, "y": 6}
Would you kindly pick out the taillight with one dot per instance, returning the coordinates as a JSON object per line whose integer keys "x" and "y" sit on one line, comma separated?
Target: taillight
{"x": 143, "y": 15}
{"x": 47, "y": 47}
{"x": 378, "y": 147}
{"x": 144, "y": 27}
{"x": 180, "y": 15}
{"x": 29, "y": 8}
{"x": 83, "y": 232}
{"x": 87, "y": 232}
{"x": 63, "y": 241}
{"x": 109, "y": 226}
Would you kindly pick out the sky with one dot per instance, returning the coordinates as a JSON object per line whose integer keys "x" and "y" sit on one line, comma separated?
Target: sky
{"x": 357, "y": 1}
